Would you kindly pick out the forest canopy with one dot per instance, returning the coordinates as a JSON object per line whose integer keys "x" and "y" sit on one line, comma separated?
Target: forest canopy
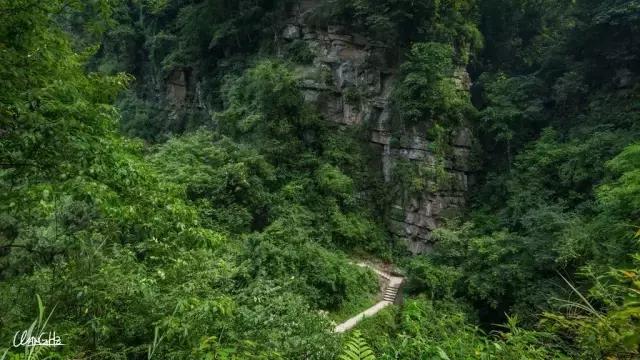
{"x": 230, "y": 224}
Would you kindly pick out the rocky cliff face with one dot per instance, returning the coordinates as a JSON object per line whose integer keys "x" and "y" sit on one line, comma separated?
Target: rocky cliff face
{"x": 350, "y": 79}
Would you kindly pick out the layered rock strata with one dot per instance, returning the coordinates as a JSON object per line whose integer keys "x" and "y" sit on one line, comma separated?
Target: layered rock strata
{"x": 350, "y": 79}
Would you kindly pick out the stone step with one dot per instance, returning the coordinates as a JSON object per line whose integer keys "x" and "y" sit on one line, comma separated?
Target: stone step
{"x": 390, "y": 293}
{"x": 389, "y": 296}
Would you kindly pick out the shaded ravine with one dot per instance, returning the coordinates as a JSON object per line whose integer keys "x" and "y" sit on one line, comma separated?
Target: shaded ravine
{"x": 389, "y": 296}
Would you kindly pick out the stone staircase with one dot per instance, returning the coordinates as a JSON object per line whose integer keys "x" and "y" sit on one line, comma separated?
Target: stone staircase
{"x": 389, "y": 296}
{"x": 391, "y": 293}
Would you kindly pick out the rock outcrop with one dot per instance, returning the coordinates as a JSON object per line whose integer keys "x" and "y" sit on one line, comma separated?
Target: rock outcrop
{"x": 351, "y": 79}
{"x": 177, "y": 87}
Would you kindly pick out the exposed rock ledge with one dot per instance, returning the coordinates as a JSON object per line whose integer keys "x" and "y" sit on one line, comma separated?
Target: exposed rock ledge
{"x": 350, "y": 80}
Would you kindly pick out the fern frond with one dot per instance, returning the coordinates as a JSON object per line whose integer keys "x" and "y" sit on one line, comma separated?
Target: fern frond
{"x": 356, "y": 348}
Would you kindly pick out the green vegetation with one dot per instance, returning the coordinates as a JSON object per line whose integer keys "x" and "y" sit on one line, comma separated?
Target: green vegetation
{"x": 450, "y": 21}
{"x": 208, "y": 245}
{"x": 222, "y": 225}
{"x": 427, "y": 92}
{"x": 547, "y": 230}
{"x": 357, "y": 349}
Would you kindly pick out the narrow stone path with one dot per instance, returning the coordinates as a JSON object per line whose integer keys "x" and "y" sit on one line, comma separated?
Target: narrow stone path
{"x": 389, "y": 296}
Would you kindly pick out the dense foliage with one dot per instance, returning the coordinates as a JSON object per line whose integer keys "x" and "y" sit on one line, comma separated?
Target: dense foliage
{"x": 208, "y": 40}
{"x": 558, "y": 98}
{"x": 225, "y": 225}
{"x": 206, "y": 247}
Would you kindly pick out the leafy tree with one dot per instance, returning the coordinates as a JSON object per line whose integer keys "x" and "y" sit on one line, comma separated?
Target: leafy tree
{"x": 450, "y": 21}
{"x": 265, "y": 107}
{"x": 519, "y": 33}
{"x": 445, "y": 330}
{"x": 427, "y": 92}
{"x": 229, "y": 182}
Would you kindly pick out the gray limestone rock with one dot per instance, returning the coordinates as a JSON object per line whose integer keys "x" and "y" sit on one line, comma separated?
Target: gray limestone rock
{"x": 463, "y": 138}
{"x": 347, "y": 62}
{"x": 291, "y": 32}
